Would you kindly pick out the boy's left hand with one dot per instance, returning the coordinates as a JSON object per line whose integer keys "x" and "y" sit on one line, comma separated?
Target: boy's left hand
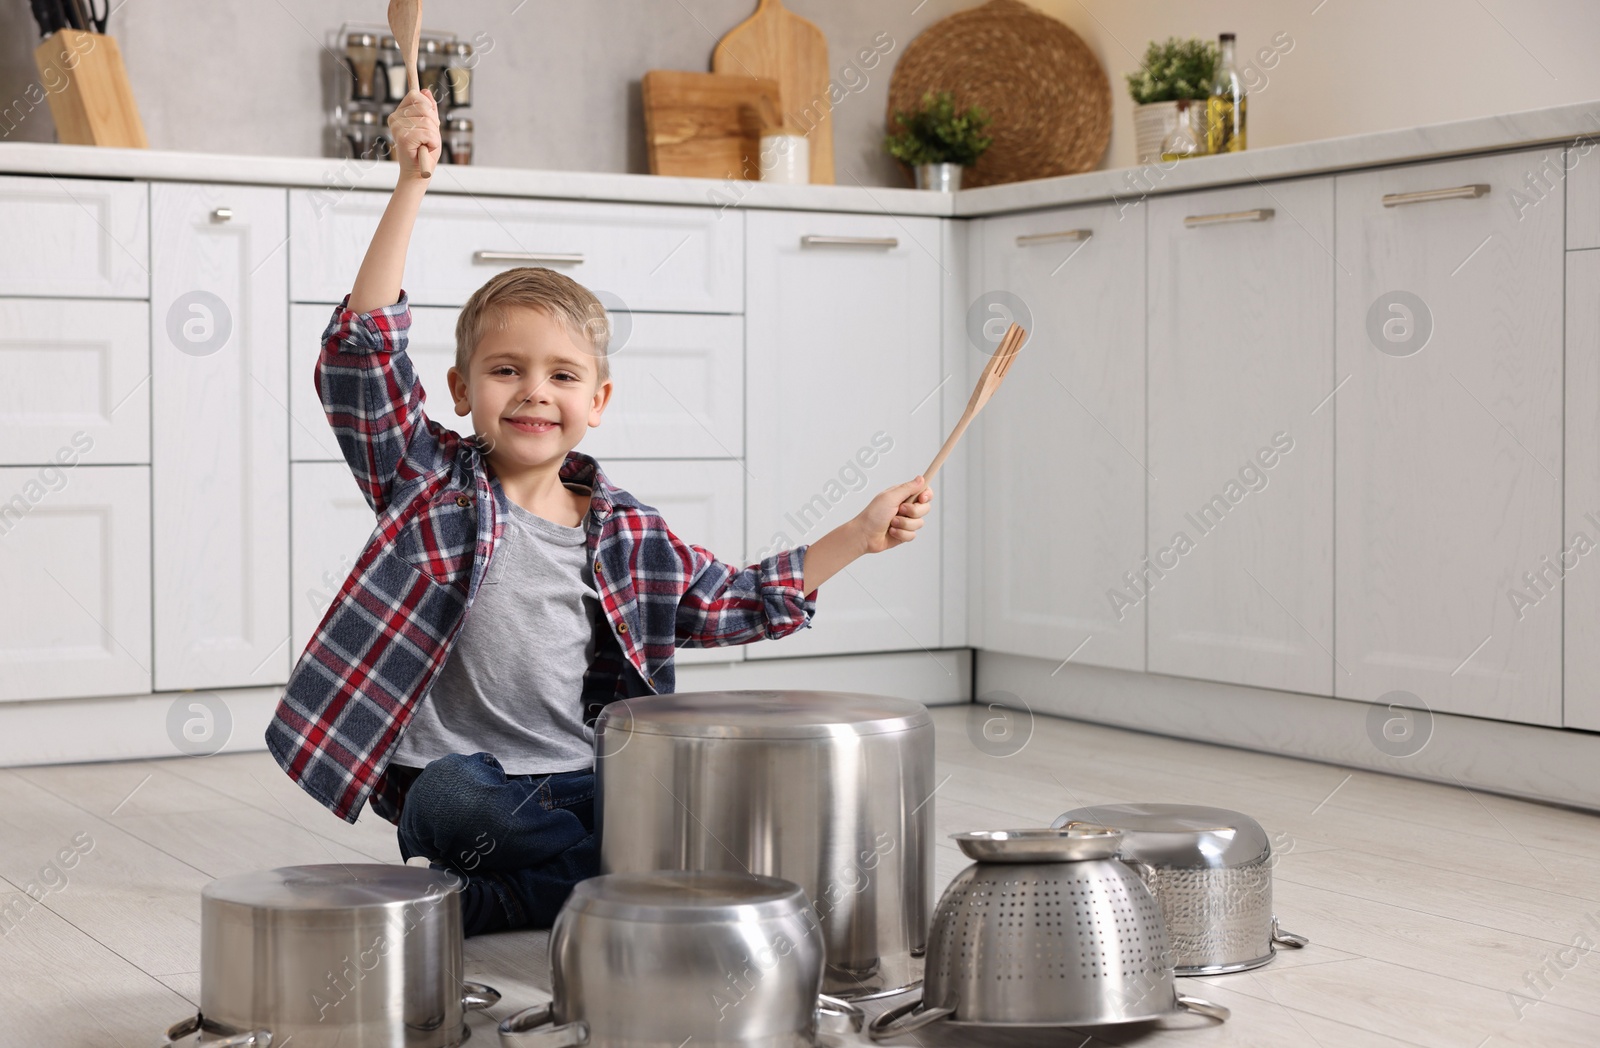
{"x": 893, "y": 516}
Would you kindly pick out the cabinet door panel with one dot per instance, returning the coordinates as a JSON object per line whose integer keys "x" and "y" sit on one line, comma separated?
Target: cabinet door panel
{"x": 75, "y": 238}
{"x": 220, "y": 421}
{"x": 843, "y": 367}
{"x": 1450, "y": 441}
{"x": 91, "y": 362}
{"x": 646, "y": 257}
{"x": 75, "y": 562}
{"x": 1064, "y": 438}
{"x": 1240, "y": 587}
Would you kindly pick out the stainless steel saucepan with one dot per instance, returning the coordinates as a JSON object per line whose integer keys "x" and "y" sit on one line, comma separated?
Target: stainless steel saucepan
{"x": 716, "y": 960}
{"x": 364, "y": 955}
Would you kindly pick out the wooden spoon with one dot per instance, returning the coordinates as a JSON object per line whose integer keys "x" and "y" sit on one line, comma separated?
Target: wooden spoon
{"x": 405, "y": 24}
{"x": 994, "y": 372}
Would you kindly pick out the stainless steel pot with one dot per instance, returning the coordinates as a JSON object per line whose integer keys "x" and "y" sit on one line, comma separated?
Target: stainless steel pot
{"x": 644, "y": 960}
{"x": 359, "y": 956}
{"x": 826, "y": 789}
{"x": 1076, "y": 941}
{"x": 1210, "y": 869}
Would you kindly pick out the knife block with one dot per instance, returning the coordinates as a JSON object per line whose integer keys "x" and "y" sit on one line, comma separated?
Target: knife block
{"x": 90, "y": 99}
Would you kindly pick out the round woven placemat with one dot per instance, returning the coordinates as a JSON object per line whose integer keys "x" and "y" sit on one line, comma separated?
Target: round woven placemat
{"x": 1048, "y": 95}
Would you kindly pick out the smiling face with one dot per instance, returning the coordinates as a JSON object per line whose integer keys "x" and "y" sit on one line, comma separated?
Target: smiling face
{"x": 533, "y": 388}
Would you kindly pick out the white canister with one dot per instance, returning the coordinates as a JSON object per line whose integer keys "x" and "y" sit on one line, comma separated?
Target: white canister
{"x": 785, "y": 158}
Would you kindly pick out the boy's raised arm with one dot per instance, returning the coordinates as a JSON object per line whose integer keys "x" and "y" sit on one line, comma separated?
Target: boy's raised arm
{"x": 414, "y": 128}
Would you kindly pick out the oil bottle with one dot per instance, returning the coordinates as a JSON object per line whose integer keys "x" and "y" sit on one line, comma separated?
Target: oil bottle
{"x": 1225, "y": 108}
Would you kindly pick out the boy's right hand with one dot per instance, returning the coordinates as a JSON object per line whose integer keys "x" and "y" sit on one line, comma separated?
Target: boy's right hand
{"x": 414, "y": 128}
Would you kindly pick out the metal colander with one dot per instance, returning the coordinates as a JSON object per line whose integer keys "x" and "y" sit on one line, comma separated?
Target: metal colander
{"x": 1045, "y": 943}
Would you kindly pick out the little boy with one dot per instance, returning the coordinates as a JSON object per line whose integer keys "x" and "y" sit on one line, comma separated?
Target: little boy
{"x": 474, "y": 733}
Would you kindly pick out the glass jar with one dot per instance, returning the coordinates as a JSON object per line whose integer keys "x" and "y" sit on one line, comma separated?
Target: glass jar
{"x": 394, "y": 70}
{"x": 459, "y": 75}
{"x": 362, "y": 131}
{"x": 431, "y": 62}
{"x": 458, "y": 140}
{"x": 361, "y": 53}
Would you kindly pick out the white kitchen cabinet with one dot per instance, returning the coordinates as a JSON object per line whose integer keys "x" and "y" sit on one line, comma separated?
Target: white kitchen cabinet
{"x": 75, "y": 557}
{"x": 843, "y": 364}
{"x": 1063, "y": 439}
{"x": 73, "y": 237}
{"x": 1580, "y": 592}
{"x": 703, "y": 503}
{"x": 1449, "y": 492}
{"x": 331, "y": 525}
{"x": 678, "y": 384}
{"x": 1240, "y": 535}
{"x": 220, "y": 436}
{"x": 638, "y": 257}
{"x": 77, "y": 379}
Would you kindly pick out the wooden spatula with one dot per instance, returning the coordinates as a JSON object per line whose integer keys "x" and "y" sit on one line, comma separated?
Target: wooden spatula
{"x": 405, "y": 23}
{"x": 994, "y": 372}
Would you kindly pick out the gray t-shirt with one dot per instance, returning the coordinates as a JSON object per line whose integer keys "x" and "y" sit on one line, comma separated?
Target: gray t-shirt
{"x": 513, "y": 683}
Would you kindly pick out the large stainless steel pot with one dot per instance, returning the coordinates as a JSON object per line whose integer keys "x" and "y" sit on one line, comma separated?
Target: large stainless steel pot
{"x": 364, "y": 955}
{"x": 1210, "y": 869}
{"x": 655, "y": 960}
{"x": 1046, "y": 929}
{"x": 830, "y": 790}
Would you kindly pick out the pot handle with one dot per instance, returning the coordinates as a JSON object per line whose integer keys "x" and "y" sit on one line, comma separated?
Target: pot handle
{"x": 190, "y": 1026}
{"x": 477, "y": 995}
{"x": 1289, "y": 939}
{"x": 889, "y": 1023}
{"x": 1200, "y": 1006}
{"x": 843, "y": 1016}
{"x": 520, "y": 1030}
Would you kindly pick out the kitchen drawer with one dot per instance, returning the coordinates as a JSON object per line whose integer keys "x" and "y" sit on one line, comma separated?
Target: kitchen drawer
{"x": 75, "y": 557}
{"x": 678, "y": 384}
{"x": 703, "y": 504}
{"x": 75, "y": 381}
{"x": 635, "y": 257}
{"x": 75, "y": 237}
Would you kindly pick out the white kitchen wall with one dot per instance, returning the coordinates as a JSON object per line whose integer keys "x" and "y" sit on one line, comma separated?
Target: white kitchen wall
{"x": 559, "y": 87}
{"x": 1359, "y": 65}
{"x": 558, "y": 84}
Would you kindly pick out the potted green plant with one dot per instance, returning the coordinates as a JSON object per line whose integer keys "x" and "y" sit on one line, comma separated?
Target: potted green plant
{"x": 937, "y": 141}
{"x": 1172, "y": 70}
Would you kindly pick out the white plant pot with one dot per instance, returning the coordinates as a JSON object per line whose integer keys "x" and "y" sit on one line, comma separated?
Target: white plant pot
{"x": 1152, "y": 123}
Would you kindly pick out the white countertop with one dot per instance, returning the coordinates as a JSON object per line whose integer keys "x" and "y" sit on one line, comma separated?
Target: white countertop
{"x": 1533, "y": 127}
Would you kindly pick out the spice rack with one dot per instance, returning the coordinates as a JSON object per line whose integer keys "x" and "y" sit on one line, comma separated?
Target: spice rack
{"x": 364, "y": 77}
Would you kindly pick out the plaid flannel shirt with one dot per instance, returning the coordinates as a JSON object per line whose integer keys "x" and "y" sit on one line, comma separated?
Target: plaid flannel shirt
{"x": 390, "y": 629}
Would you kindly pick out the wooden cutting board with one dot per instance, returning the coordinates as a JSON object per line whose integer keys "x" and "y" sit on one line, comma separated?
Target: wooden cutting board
{"x": 774, "y": 42}
{"x": 705, "y": 125}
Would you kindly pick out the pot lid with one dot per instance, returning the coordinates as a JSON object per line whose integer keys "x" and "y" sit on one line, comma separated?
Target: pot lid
{"x": 335, "y": 886}
{"x": 1180, "y": 835}
{"x": 764, "y": 715}
{"x": 697, "y": 896}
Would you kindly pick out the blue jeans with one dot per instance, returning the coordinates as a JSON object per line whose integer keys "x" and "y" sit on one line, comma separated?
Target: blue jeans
{"x": 521, "y": 841}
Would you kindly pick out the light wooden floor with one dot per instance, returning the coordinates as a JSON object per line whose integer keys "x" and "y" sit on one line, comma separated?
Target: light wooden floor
{"x": 1426, "y": 905}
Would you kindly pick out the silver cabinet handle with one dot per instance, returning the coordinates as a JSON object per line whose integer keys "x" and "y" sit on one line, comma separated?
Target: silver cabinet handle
{"x": 816, "y": 241}
{"x": 1260, "y": 214}
{"x": 1049, "y": 238}
{"x": 1471, "y": 192}
{"x": 572, "y": 258}
{"x": 222, "y": 214}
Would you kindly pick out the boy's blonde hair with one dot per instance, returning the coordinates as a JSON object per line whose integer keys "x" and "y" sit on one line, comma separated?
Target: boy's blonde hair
{"x": 534, "y": 287}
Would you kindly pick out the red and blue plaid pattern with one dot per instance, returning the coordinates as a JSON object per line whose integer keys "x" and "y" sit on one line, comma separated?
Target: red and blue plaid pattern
{"x": 390, "y": 629}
